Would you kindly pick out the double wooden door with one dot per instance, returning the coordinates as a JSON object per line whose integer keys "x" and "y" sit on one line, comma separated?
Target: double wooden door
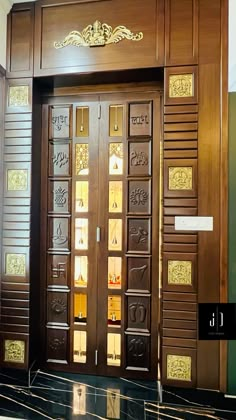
{"x": 100, "y": 230}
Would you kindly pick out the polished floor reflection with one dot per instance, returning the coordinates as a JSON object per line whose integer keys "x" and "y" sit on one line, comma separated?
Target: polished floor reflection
{"x": 58, "y": 396}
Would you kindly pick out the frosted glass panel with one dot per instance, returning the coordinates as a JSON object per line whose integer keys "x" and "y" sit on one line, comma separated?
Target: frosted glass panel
{"x": 115, "y": 196}
{"x": 81, "y": 271}
{"x": 116, "y": 159}
{"x": 81, "y": 233}
{"x": 80, "y": 346}
{"x": 82, "y": 121}
{"x": 114, "y": 311}
{"x": 81, "y": 196}
{"x": 114, "y": 272}
{"x": 113, "y": 349}
{"x": 81, "y": 159}
{"x": 116, "y": 120}
{"x": 80, "y": 308}
{"x": 115, "y": 235}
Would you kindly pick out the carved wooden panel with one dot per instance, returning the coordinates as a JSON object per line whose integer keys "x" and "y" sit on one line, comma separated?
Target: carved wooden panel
{"x": 59, "y": 158}
{"x": 139, "y": 194}
{"x": 59, "y": 200}
{"x": 138, "y": 274}
{"x": 56, "y": 345}
{"x": 181, "y": 32}
{"x": 60, "y": 122}
{"x": 138, "y": 309}
{"x": 140, "y": 159}
{"x": 57, "y": 303}
{"x": 139, "y": 235}
{"x": 138, "y": 352}
{"x": 140, "y": 119}
{"x": 58, "y": 270}
{"x": 59, "y": 233}
{"x": 179, "y": 272}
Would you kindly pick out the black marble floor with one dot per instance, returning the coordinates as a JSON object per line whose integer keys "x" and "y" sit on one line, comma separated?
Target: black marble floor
{"x": 61, "y": 396}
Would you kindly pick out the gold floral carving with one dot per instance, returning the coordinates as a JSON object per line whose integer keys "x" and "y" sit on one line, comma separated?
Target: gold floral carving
{"x": 180, "y": 272}
{"x": 180, "y": 178}
{"x": 181, "y": 86}
{"x": 14, "y": 351}
{"x": 116, "y": 149}
{"x": 17, "y": 179}
{"x": 15, "y": 265}
{"x": 98, "y": 34}
{"x": 179, "y": 367}
{"x": 18, "y": 96}
{"x": 82, "y": 157}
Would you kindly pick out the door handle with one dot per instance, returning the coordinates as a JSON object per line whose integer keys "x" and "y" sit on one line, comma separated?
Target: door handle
{"x": 98, "y": 234}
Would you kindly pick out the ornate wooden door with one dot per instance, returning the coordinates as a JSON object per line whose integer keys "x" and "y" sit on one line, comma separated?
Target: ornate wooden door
{"x": 100, "y": 230}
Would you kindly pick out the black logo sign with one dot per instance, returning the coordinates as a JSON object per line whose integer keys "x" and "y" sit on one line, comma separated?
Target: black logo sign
{"x": 217, "y": 321}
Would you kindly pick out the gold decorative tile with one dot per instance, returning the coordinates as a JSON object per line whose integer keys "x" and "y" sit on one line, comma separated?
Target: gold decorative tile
{"x": 15, "y": 265}
{"x": 180, "y": 272}
{"x": 18, "y": 96}
{"x": 14, "y": 351}
{"x": 180, "y": 178}
{"x": 181, "y": 86}
{"x": 81, "y": 159}
{"x": 17, "y": 179}
{"x": 179, "y": 367}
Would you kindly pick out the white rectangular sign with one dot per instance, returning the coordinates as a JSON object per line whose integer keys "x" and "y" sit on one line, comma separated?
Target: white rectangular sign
{"x": 198, "y": 223}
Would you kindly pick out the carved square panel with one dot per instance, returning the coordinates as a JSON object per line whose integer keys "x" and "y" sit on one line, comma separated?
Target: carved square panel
{"x": 15, "y": 263}
{"x": 138, "y": 352}
{"x": 138, "y": 310}
{"x": 180, "y": 178}
{"x": 57, "y": 345}
{"x": 58, "y": 270}
{"x": 59, "y": 233}
{"x": 140, "y": 119}
{"x": 139, "y": 196}
{"x": 179, "y": 272}
{"x": 60, "y": 122}
{"x": 179, "y": 366}
{"x": 140, "y": 159}
{"x": 18, "y": 96}
{"x": 59, "y": 158}
{"x": 57, "y": 308}
{"x": 181, "y": 85}
{"x": 59, "y": 196}
{"x": 139, "y": 235}
{"x": 139, "y": 274}
{"x": 14, "y": 351}
{"x": 17, "y": 179}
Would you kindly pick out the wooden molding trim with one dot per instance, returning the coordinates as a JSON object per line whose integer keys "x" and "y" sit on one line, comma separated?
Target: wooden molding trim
{"x": 2, "y": 71}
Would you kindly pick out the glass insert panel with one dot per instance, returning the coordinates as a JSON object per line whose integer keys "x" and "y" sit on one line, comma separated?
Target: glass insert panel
{"x": 115, "y": 196}
{"x": 114, "y": 311}
{"x": 81, "y": 196}
{"x": 81, "y": 233}
{"x": 115, "y": 235}
{"x": 116, "y": 120}
{"x": 82, "y": 121}
{"x": 114, "y": 272}
{"x": 116, "y": 158}
{"x": 80, "y": 308}
{"x": 113, "y": 349}
{"x": 80, "y": 346}
{"x": 81, "y": 159}
{"x": 81, "y": 271}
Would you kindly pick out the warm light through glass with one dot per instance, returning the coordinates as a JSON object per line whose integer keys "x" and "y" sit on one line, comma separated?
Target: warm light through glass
{"x": 113, "y": 349}
{"x": 80, "y": 346}
{"x": 82, "y": 121}
{"x": 114, "y": 311}
{"x": 115, "y": 235}
{"x": 81, "y": 233}
{"x": 81, "y": 196}
{"x": 115, "y": 158}
{"x": 116, "y": 120}
{"x": 115, "y": 196}
{"x": 81, "y": 271}
{"x": 80, "y": 308}
{"x": 114, "y": 272}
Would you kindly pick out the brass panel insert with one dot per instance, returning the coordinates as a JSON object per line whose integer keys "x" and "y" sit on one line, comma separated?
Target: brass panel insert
{"x": 180, "y": 272}
{"x": 15, "y": 265}
{"x": 80, "y": 347}
{"x": 181, "y": 85}
{"x": 18, "y": 96}
{"x": 82, "y": 121}
{"x": 17, "y": 180}
{"x": 98, "y": 34}
{"x": 14, "y": 351}
{"x": 116, "y": 120}
{"x": 81, "y": 159}
{"x": 179, "y": 367}
{"x": 113, "y": 349}
{"x": 180, "y": 178}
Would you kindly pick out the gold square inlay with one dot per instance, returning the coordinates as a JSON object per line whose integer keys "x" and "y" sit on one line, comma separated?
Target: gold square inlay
{"x": 18, "y": 96}
{"x": 180, "y": 178}
{"x": 179, "y": 367}
{"x": 181, "y": 86}
{"x": 17, "y": 179}
{"x": 15, "y": 265}
{"x": 180, "y": 272}
{"x": 14, "y": 351}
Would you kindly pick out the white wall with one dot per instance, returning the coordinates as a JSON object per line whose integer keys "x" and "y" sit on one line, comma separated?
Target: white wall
{"x": 5, "y": 6}
{"x": 232, "y": 45}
